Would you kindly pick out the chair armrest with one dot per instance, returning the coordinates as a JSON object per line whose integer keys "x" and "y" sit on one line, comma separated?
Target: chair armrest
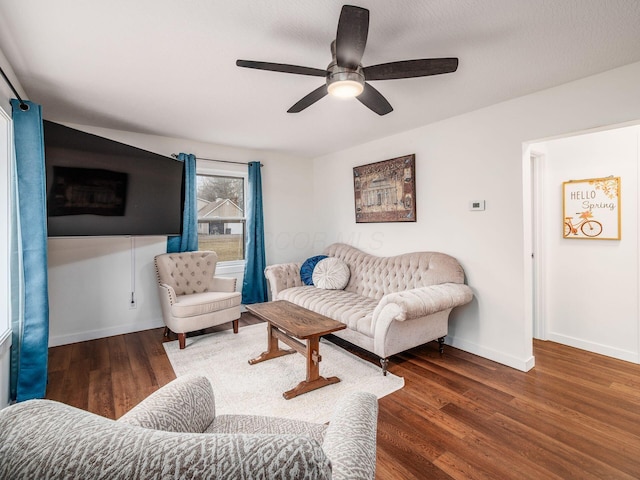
{"x": 282, "y": 276}
{"x": 185, "y": 405}
{"x": 167, "y": 292}
{"x": 350, "y": 439}
{"x": 224, "y": 284}
{"x": 420, "y": 302}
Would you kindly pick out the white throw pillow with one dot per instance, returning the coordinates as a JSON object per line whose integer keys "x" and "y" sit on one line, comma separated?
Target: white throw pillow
{"x": 331, "y": 274}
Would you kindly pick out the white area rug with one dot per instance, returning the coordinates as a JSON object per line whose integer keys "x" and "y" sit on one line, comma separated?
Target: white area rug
{"x": 257, "y": 389}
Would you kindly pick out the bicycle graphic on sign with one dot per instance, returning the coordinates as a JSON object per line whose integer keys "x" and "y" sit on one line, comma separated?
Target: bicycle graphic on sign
{"x": 589, "y": 227}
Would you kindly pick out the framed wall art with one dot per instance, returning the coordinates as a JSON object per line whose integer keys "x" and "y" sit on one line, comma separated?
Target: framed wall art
{"x": 386, "y": 191}
{"x": 591, "y": 208}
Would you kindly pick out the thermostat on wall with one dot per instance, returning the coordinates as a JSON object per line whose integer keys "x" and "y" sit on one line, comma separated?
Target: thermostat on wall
{"x": 476, "y": 205}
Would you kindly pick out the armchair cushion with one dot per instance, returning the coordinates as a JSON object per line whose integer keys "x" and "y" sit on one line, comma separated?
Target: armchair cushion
{"x": 204, "y": 303}
{"x": 266, "y": 425}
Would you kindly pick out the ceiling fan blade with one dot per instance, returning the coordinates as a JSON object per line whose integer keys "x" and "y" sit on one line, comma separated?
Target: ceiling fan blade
{"x": 282, "y": 67}
{"x": 410, "y": 68}
{"x": 351, "y": 37}
{"x": 374, "y": 100}
{"x": 309, "y": 100}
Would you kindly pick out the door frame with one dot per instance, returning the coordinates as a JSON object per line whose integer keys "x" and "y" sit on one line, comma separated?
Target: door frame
{"x": 533, "y": 253}
{"x": 536, "y": 167}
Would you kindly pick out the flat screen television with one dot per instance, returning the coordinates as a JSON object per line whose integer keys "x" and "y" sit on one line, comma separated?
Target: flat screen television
{"x": 100, "y": 187}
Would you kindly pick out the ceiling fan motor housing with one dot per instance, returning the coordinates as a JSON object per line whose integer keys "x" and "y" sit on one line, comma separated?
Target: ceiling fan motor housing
{"x": 337, "y": 74}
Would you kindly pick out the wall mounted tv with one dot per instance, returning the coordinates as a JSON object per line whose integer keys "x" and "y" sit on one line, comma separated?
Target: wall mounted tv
{"x": 100, "y": 187}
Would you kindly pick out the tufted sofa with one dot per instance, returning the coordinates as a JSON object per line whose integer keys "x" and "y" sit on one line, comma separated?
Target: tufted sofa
{"x": 175, "y": 434}
{"x": 390, "y": 304}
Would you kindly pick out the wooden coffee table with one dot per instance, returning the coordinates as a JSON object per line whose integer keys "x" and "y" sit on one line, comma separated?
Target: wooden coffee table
{"x": 287, "y": 322}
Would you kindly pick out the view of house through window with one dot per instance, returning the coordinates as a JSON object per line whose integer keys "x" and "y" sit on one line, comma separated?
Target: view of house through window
{"x": 221, "y": 220}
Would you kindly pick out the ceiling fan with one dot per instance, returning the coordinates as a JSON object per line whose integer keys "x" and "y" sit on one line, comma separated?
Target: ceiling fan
{"x": 345, "y": 75}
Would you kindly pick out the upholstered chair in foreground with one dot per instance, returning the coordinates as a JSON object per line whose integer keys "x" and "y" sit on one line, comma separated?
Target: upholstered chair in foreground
{"x": 191, "y": 296}
{"x": 176, "y": 434}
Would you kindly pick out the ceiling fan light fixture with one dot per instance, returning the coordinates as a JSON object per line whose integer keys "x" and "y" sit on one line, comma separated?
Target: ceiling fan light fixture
{"x": 345, "y": 88}
{"x": 344, "y": 82}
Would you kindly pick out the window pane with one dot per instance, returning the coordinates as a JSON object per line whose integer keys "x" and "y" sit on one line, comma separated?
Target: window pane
{"x": 221, "y": 223}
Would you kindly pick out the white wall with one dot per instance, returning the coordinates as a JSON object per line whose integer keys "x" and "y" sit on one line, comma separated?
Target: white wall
{"x": 590, "y": 287}
{"x": 90, "y": 278}
{"x": 476, "y": 156}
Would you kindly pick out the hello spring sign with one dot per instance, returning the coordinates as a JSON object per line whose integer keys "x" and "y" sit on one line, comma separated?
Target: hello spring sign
{"x": 591, "y": 208}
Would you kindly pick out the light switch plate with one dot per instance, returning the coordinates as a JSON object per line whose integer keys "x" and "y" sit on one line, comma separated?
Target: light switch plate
{"x": 476, "y": 205}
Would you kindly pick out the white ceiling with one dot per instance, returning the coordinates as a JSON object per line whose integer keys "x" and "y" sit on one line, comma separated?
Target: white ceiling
{"x": 167, "y": 67}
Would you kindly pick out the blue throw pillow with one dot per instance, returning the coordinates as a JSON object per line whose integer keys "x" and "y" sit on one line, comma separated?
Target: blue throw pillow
{"x": 306, "y": 270}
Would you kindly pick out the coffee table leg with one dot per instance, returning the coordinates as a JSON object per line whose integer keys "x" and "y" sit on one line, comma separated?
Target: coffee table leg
{"x": 314, "y": 379}
{"x": 273, "y": 349}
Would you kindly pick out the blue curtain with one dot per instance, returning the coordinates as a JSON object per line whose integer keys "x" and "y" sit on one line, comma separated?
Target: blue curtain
{"x": 254, "y": 285}
{"x": 30, "y": 328}
{"x": 188, "y": 241}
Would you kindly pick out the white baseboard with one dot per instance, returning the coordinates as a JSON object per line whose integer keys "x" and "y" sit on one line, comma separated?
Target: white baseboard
{"x": 598, "y": 348}
{"x": 522, "y": 364}
{"x": 57, "y": 340}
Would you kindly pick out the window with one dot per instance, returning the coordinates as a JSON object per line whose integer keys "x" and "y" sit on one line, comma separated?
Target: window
{"x": 221, "y": 215}
{"x": 6, "y": 154}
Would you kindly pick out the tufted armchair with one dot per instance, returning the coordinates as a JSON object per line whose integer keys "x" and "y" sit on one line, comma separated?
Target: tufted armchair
{"x": 191, "y": 296}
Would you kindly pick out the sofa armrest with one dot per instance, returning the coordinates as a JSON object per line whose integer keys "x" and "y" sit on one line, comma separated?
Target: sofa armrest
{"x": 224, "y": 284}
{"x": 350, "y": 439}
{"x": 185, "y": 405}
{"x": 420, "y": 302}
{"x": 283, "y": 276}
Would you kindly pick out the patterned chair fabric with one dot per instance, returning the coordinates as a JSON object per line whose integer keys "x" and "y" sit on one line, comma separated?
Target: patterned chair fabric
{"x": 191, "y": 296}
{"x": 175, "y": 434}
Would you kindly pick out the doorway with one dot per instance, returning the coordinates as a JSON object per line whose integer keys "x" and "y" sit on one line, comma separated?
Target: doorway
{"x": 582, "y": 293}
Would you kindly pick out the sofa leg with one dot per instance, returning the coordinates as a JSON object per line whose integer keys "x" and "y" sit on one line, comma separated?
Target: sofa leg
{"x": 385, "y": 363}
{"x": 166, "y": 332}
{"x": 182, "y": 340}
{"x": 441, "y": 345}
{"x": 235, "y": 326}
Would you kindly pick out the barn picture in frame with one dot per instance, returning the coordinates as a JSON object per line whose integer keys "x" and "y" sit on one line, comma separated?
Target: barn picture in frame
{"x": 386, "y": 191}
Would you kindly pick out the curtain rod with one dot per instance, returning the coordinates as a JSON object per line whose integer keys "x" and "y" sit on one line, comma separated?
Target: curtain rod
{"x": 23, "y": 106}
{"x": 214, "y": 160}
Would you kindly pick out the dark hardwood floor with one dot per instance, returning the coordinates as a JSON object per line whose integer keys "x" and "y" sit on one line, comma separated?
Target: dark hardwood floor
{"x": 575, "y": 415}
